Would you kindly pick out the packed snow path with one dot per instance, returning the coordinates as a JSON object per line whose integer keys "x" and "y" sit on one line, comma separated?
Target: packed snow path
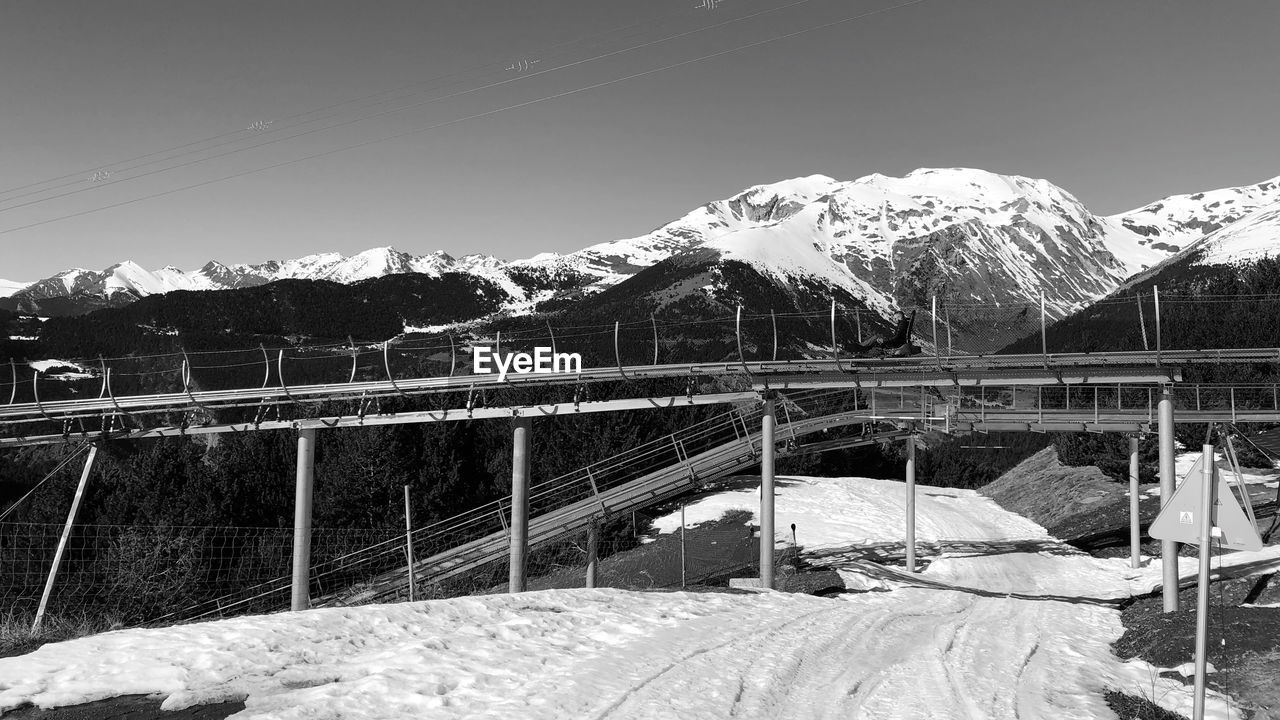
{"x": 905, "y": 652}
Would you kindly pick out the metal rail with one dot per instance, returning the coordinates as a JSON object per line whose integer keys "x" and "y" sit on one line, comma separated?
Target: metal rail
{"x": 911, "y": 371}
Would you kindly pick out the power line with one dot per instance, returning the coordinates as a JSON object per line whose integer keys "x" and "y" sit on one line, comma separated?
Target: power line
{"x": 488, "y": 113}
{"x": 79, "y": 175}
{"x": 525, "y": 76}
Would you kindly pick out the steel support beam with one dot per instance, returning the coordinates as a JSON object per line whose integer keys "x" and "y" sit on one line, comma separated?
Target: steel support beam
{"x": 911, "y": 503}
{"x": 521, "y": 437}
{"x": 304, "y": 491}
{"x": 767, "y": 423}
{"x": 1168, "y": 548}
{"x": 417, "y": 417}
{"x": 62, "y": 541}
{"x": 1135, "y": 519}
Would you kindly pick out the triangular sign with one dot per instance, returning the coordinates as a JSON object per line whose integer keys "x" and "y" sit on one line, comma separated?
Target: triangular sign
{"x": 1180, "y": 519}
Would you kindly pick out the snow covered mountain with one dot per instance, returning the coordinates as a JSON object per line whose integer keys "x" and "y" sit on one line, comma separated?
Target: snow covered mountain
{"x": 960, "y": 234}
{"x": 127, "y": 281}
{"x": 1175, "y": 222}
{"x": 967, "y": 235}
{"x": 9, "y": 287}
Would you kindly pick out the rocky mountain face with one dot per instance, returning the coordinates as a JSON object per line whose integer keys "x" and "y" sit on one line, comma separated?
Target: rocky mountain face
{"x": 962, "y": 235}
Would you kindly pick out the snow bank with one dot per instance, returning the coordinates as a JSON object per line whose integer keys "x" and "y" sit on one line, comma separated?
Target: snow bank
{"x": 1020, "y": 629}
{"x": 499, "y": 655}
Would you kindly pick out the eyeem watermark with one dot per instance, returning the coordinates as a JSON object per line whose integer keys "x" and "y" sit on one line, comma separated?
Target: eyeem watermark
{"x": 543, "y": 361}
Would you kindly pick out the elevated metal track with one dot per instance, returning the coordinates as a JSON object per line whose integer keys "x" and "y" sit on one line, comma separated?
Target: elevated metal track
{"x": 781, "y": 374}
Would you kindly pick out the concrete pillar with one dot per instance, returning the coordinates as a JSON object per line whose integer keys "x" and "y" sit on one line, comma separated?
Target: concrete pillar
{"x": 911, "y": 503}
{"x": 520, "y": 440}
{"x": 1135, "y": 521}
{"x": 1168, "y": 482}
{"x": 766, "y": 494}
{"x": 300, "y": 598}
{"x": 593, "y": 541}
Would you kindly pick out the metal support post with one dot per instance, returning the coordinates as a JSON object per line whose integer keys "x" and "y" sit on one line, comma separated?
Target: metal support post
{"x": 300, "y": 597}
{"x": 1168, "y": 548}
{"x": 520, "y": 442}
{"x": 767, "y": 423}
{"x": 911, "y": 503}
{"x": 1202, "y": 587}
{"x": 593, "y": 543}
{"x": 683, "y": 566}
{"x": 1044, "y": 328}
{"x": 933, "y": 314}
{"x": 408, "y": 541}
{"x": 62, "y": 541}
{"x": 1155, "y": 292}
{"x": 1135, "y": 522}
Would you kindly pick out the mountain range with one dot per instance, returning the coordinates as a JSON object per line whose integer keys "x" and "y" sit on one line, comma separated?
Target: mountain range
{"x": 961, "y": 234}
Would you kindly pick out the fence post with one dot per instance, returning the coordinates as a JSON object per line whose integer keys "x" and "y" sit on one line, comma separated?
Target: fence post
{"x": 1044, "y": 330}
{"x": 520, "y": 442}
{"x": 593, "y": 540}
{"x": 682, "y": 550}
{"x": 62, "y": 541}
{"x": 1142, "y": 321}
{"x": 1159, "y": 345}
{"x": 300, "y": 596}
{"x": 933, "y": 313}
{"x": 408, "y": 540}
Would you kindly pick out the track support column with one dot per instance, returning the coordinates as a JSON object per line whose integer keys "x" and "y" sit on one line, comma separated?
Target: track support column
{"x": 911, "y": 503}
{"x": 1168, "y": 548}
{"x": 300, "y": 597}
{"x": 1135, "y": 521}
{"x": 593, "y": 542}
{"x": 521, "y": 437}
{"x": 767, "y": 424}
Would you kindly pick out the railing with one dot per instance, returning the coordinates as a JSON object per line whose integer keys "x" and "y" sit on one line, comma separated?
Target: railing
{"x": 260, "y": 382}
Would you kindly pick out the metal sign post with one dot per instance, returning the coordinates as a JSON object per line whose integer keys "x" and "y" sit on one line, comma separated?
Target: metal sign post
{"x": 1202, "y": 590}
{"x": 1204, "y": 509}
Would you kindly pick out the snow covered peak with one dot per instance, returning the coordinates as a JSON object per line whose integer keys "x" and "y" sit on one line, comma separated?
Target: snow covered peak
{"x": 956, "y": 232}
{"x": 1255, "y": 236}
{"x": 9, "y": 287}
{"x": 1179, "y": 220}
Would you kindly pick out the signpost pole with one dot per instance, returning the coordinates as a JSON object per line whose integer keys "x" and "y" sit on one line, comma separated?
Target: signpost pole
{"x": 1202, "y": 589}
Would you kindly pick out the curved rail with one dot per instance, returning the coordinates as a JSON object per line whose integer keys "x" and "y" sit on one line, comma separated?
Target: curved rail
{"x": 997, "y": 367}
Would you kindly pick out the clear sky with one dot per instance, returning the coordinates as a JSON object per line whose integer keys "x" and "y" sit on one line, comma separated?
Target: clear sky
{"x": 1119, "y": 102}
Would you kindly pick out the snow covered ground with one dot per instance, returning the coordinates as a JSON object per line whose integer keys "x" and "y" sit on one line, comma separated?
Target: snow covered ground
{"x": 1013, "y": 634}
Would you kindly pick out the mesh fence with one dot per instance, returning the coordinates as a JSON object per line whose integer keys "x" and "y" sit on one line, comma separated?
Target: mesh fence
{"x": 130, "y": 576}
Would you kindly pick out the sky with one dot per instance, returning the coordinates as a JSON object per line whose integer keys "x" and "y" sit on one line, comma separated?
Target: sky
{"x": 512, "y": 128}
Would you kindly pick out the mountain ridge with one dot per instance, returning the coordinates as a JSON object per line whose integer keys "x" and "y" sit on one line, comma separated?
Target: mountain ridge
{"x": 959, "y": 233}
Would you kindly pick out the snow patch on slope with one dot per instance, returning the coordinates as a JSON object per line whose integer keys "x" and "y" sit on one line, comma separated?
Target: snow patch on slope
{"x": 9, "y": 287}
{"x": 913, "y": 651}
{"x": 1252, "y": 238}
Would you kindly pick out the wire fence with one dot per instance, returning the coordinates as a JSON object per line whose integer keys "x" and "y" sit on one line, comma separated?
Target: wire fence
{"x": 150, "y": 575}
{"x": 134, "y": 574}
{"x": 448, "y": 552}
